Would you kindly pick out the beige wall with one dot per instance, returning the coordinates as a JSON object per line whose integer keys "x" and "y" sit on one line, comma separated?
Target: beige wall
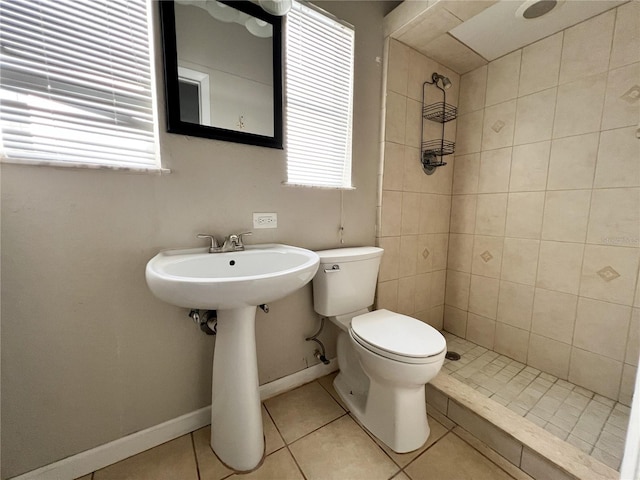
{"x": 88, "y": 354}
{"x": 414, "y": 207}
{"x": 545, "y": 217}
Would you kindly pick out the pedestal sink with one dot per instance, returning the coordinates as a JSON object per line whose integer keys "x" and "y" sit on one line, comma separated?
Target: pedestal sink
{"x": 234, "y": 284}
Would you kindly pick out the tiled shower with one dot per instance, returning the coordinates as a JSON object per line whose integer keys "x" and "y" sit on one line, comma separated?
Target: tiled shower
{"x": 537, "y": 218}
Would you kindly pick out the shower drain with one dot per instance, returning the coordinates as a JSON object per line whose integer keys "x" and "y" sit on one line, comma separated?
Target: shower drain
{"x": 452, "y": 356}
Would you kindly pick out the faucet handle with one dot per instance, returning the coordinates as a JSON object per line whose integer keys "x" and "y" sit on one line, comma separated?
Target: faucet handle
{"x": 214, "y": 243}
{"x": 240, "y": 235}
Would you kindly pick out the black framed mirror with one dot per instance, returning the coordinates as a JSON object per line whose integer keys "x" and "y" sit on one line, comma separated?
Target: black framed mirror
{"x": 223, "y": 70}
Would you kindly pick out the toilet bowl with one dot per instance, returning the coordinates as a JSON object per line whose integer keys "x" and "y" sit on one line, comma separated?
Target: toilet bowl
{"x": 385, "y": 358}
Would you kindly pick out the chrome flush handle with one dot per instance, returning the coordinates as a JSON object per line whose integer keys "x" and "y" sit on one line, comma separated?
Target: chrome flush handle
{"x": 334, "y": 269}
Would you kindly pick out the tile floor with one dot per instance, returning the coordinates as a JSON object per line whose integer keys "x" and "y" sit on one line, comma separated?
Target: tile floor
{"x": 591, "y": 422}
{"x": 310, "y": 435}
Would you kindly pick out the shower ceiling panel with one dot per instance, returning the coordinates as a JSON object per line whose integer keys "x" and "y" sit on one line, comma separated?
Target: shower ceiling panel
{"x": 497, "y": 30}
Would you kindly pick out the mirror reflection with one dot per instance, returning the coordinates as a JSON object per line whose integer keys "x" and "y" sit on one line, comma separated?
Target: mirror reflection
{"x": 225, "y": 67}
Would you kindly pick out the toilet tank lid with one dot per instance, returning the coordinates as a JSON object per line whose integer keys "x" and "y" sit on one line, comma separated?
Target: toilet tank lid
{"x": 349, "y": 254}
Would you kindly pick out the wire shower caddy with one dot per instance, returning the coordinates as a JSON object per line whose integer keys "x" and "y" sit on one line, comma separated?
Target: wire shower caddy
{"x": 439, "y": 112}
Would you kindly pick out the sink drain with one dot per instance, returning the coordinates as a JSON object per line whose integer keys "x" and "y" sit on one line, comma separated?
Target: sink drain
{"x": 452, "y": 356}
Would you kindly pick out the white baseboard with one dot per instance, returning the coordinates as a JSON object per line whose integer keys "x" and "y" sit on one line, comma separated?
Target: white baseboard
{"x": 125, "y": 447}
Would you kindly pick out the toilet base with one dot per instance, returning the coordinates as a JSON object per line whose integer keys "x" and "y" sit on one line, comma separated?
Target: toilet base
{"x": 397, "y": 417}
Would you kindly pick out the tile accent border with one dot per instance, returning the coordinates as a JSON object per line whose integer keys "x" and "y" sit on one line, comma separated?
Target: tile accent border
{"x": 99, "y": 457}
{"x": 541, "y": 454}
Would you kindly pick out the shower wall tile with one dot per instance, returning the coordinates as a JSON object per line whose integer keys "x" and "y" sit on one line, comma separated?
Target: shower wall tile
{"x": 398, "y": 67}
{"x": 529, "y": 167}
{"x": 627, "y": 384}
{"x": 595, "y": 372}
{"x": 434, "y": 213}
{"x": 495, "y": 170}
{"x": 423, "y": 292}
{"x": 626, "y": 37}
{"x": 411, "y": 164}
{"x": 579, "y": 106}
{"x": 410, "y": 213}
{"x": 498, "y": 125}
{"x": 524, "y": 214}
{"x": 633, "y": 342}
{"x": 566, "y": 215}
{"x": 567, "y": 157}
{"x": 469, "y": 132}
{"x": 457, "y": 289}
{"x": 412, "y": 128}
{"x": 615, "y": 217}
{"x": 390, "y": 259}
{"x": 460, "y": 250}
{"x": 487, "y": 256}
{"x": 407, "y": 255}
{"x": 609, "y": 273}
{"x": 618, "y": 154}
{"x": 473, "y": 87}
{"x": 465, "y": 173}
{"x": 559, "y": 266}
{"x": 438, "y": 282}
{"x": 520, "y": 260}
{"x": 387, "y": 295}
{"x": 573, "y": 162}
{"x": 549, "y": 356}
{"x": 586, "y": 47}
{"x": 491, "y": 213}
{"x": 502, "y": 78}
{"x": 511, "y": 341}
{"x": 391, "y": 216}
{"x": 406, "y": 295}
{"x": 483, "y": 296}
{"x": 554, "y": 315}
{"x": 420, "y": 70}
{"x": 396, "y": 113}
{"x": 602, "y": 328}
{"x": 463, "y": 213}
{"x": 425, "y": 253}
{"x": 455, "y": 320}
{"x": 481, "y": 330}
{"x": 515, "y": 305}
{"x": 540, "y": 65}
{"x": 622, "y": 99}
{"x": 534, "y": 117}
{"x": 393, "y": 166}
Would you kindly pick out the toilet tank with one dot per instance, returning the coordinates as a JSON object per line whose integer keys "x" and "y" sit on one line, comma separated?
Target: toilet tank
{"x": 346, "y": 280}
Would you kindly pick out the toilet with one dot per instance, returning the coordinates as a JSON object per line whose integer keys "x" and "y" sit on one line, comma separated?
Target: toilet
{"x": 385, "y": 358}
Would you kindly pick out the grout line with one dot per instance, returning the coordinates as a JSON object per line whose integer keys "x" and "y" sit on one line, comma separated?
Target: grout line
{"x": 195, "y": 455}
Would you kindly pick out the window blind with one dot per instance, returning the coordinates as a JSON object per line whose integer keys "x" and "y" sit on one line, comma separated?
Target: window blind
{"x": 76, "y": 83}
{"x": 319, "y": 98}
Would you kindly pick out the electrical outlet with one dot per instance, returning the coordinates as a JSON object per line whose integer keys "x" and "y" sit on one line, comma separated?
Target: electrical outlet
{"x": 265, "y": 220}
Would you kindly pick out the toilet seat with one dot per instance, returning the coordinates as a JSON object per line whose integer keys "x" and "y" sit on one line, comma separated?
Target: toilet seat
{"x": 398, "y": 337}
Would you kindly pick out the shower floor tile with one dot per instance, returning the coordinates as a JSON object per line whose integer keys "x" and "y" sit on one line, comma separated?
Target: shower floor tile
{"x": 595, "y": 424}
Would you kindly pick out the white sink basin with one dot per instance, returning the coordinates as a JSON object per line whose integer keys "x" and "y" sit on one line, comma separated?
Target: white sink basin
{"x": 234, "y": 284}
{"x": 195, "y": 278}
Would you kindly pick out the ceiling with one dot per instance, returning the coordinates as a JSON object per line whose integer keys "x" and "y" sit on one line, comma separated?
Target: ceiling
{"x": 466, "y": 34}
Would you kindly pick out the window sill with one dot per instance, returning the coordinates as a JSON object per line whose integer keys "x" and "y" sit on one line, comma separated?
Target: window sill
{"x": 315, "y": 187}
{"x": 88, "y": 166}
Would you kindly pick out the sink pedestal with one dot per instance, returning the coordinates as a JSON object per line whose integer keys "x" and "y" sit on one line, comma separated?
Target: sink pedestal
{"x": 236, "y": 417}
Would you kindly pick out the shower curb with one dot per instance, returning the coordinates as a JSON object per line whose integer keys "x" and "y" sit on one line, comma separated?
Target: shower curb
{"x": 525, "y": 445}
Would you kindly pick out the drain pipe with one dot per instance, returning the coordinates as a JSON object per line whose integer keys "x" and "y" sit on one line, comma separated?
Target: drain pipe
{"x": 319, "y": 354}
{"x": 207, "y": 321}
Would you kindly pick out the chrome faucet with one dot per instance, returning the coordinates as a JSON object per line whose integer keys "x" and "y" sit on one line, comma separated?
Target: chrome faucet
{"x": 234, "y": 243}
{"x": 214, "y": 247}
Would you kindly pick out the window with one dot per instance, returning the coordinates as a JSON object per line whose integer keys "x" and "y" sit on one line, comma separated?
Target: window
{"x": 76, "y": 83}
{"x": 319, "y": 98}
